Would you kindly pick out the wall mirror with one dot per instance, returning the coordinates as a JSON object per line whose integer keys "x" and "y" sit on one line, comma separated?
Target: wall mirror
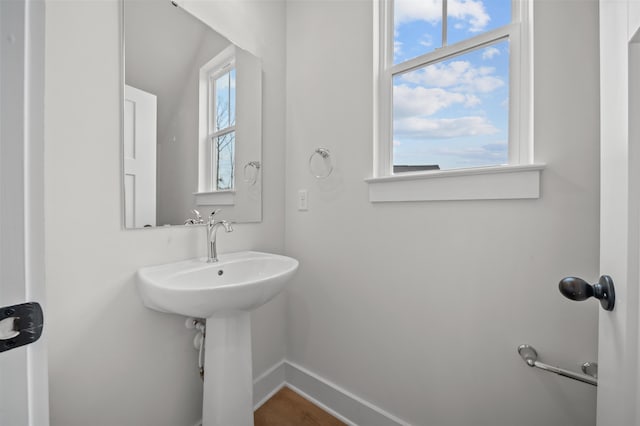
{"x": 191, "y": 120}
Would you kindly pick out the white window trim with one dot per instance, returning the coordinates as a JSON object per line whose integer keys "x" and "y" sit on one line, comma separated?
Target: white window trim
{"x": 206, "y": 194}
{"x": 216, "y": 198}
{"x": 459, "y": 184}
{"x": 482, "y": 183}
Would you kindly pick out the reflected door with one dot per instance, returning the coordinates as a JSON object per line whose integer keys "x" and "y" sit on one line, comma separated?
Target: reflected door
{"x": 139, "y": 121}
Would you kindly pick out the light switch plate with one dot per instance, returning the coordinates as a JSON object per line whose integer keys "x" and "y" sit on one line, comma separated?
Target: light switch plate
{"x": 303, "y": 200}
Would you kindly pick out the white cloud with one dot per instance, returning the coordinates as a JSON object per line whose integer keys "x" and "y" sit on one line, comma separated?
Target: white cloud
{"x": 490, "y": 52}
{"x": 443, "y": 127}
{"x": 471, "y": 12}
{"x": 493, "y": 153}
{"x": 487, "y": 84}
{"x": 461, "y": 76}
{"x": 445, "y": 74}
{"x": 417, "y": 10}
{"x": 472, "y": 101}
{"x": 427, "y": 41}
{"x": 420, "y": 101}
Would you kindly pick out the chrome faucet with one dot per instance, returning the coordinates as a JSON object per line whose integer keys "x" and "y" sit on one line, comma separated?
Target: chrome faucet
{"x": 212, "y": 228}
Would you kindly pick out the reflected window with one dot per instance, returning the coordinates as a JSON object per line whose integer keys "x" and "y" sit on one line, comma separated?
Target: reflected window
{"x": 217, "y": 124}
{"x": 222, "y": 126}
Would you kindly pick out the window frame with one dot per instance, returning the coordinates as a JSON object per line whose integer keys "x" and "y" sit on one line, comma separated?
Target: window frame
{"x": 213, "y": 132}
{"x": 207, "y": 192}
{"x": 520, "y": 147}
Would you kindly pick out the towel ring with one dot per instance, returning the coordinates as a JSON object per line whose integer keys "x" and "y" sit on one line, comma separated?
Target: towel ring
{"x": 255, "y": 165}
{"x": 326, "y": 156}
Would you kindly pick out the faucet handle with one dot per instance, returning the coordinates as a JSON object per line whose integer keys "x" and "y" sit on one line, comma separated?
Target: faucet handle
{"x": 213, "y": 213}
{"x": 196, "y": 220}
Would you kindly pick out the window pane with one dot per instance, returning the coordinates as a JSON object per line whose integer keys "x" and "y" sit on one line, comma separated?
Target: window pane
{"x": 454, "y": 113}
{"x": 221, "y": 87}
{"x": 468, "y": 18}
{"x": 225, "y": 146}
{"x": 417, "y": 28}
{"x": 232, "y": 97}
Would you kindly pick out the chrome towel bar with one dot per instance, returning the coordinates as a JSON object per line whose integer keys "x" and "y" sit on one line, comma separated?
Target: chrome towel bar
{"x": 530, "y": 356}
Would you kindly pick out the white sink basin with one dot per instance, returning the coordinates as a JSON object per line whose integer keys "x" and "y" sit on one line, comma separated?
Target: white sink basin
{"x": 222, "y": 292}
{"x": 239, "y": 281}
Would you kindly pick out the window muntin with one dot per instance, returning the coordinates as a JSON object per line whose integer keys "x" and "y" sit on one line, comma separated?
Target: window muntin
{"x": 450, "y": 97}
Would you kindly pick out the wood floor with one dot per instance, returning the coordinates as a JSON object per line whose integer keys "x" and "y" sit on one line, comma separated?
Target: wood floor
{"x": 287, "y": 408}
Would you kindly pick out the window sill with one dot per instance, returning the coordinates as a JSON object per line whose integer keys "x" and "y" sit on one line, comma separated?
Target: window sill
{"x": 215, "y": 198}
{"x": 483, "y": 183}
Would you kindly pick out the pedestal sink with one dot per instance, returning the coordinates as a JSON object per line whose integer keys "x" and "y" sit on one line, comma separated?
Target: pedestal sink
{"x": 224, "y": 293}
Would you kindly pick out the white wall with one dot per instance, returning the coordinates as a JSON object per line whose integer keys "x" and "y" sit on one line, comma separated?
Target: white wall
{"x": 112, "y": 361}
{"x": 419, "y": 307}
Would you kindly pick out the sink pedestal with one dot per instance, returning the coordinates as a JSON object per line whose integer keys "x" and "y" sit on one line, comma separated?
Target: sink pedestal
{"x": 228, "y": 379}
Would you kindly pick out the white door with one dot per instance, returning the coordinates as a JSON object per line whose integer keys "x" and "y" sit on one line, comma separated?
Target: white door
{"x": 23, "y": 369}
{"x": 618, "y": 378}
{"x": 139, "y": 123}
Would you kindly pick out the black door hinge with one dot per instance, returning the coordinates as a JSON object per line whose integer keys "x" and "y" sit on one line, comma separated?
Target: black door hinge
{"x": 27, "y": 324}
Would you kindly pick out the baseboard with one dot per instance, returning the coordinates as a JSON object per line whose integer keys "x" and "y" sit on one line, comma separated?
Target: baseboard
{"x": 268, "y": 383}
{"x": 344, "y": 405}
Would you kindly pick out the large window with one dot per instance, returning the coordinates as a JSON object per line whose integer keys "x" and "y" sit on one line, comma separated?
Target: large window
{"x": 453, "y": 85}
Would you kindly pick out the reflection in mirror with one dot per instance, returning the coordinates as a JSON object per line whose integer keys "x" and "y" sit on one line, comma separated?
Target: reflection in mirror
{"x": 192, "y": 123}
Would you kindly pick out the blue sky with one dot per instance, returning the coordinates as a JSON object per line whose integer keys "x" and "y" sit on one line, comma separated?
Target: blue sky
{"x": 452, "y": 113}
